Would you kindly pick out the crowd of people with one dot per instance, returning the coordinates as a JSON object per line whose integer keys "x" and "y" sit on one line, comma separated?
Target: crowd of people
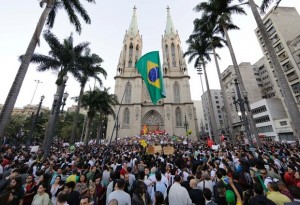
{"x": 124, "y": 173}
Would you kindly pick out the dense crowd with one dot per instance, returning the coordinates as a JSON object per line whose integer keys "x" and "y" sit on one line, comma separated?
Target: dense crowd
{"x": 124, "y": 174}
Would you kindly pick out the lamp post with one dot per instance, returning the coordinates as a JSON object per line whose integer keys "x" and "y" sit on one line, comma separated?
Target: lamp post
{"x": 199, "y": 72}
{"x": 57, "y": 102}
{"x": 242, "y": 103}
{"x": 186, "y": 124}
{"x": 117, "y": 128}
{"x": 29, "y": 138}
{"x": 65, "y": 97}
{"x": 37, "y": 84}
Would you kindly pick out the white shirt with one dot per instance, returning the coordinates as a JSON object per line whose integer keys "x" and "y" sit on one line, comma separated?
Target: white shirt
{"x": 178, "y": 195}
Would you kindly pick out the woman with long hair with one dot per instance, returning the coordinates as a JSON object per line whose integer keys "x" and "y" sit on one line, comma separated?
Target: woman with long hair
{"x": 81, "y": 185}
{"x": 54, "y": 189}
{"x": 42, "y": 197}
{"x": 28, "y": 188}
{"x": 16, "y": 191}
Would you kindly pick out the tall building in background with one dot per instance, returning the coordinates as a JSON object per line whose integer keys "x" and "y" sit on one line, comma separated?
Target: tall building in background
{"x": 283, "y": 26}
{"x": 175, "y": 114}
{"x": 200, "y": 117}
{"x": 250, "y": 79}
{"x": 217, "y": 106}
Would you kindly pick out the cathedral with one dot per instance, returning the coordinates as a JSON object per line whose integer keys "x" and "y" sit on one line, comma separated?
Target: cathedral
{"x": 174, "y": 114}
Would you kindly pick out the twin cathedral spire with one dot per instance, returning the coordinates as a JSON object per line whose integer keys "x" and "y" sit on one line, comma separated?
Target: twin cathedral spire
{"x": 173, "y": 62}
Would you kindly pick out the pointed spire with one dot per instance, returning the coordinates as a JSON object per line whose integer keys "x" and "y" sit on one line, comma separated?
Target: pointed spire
{"x": 170, "y": 29}
{"x": 133, "y": 28}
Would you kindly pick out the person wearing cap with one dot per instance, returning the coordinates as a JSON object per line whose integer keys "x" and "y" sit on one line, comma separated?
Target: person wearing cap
{"x": 275, "y": 196}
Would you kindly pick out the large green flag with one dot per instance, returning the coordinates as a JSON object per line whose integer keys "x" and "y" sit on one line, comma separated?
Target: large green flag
{"x": 149, "y": 68}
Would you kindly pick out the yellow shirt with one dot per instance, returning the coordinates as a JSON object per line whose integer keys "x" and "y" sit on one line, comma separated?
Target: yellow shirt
{"x": 278, "y": 198}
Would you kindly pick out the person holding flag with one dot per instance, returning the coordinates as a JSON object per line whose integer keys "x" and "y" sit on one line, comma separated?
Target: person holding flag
{"x": 149, "y": 68}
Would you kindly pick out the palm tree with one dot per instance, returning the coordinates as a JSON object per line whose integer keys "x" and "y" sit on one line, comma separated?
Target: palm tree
{"x": 200, "y": 50}
{"x": 205, "y": 29}
{"x": 64, "y": 58}
{"x": 97, "y": 101}
{"x": 266, "y": 3}
{"x": 73, "y": 9}
{"x": 286, "y": 92}
{"x": 219, "y": 12}
{"x": 92, "y": 70}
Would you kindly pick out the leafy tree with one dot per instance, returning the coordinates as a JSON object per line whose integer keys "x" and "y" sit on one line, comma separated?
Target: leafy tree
{"x": 73, "y": 8}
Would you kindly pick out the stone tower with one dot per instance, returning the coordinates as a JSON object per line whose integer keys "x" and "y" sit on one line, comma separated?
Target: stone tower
{"x": 176, "y": 112}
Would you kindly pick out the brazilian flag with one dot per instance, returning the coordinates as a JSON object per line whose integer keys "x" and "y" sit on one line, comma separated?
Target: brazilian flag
{"x": 149, "y": 68}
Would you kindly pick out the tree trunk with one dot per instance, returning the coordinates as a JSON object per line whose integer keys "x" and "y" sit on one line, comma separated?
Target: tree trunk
{"x": 53, "y": 121}
{"x": 87, "y": 130}
{"x": 286, "y": 92}
{"x": 211, "y": 109}
{"x": 242, "y": 87}
{"x": 99, "y": 130}
{"x": 18, "y": 81}
{"x": 75, "y": 122}
{"x": 224, "y": 95}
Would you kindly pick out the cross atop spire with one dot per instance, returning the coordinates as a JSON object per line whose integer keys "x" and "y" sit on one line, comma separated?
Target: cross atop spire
{"x": 133, "y": 28}
{"x": 170, "y": 29}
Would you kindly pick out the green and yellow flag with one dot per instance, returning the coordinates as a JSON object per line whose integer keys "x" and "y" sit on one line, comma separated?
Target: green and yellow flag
{"x": 149, "y": 68}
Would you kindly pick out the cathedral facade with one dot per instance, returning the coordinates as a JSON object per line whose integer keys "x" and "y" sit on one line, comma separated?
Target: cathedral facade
{"x": 174, "y": 114}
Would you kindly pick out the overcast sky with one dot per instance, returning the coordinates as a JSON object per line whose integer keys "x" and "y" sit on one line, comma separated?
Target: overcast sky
{"x": 110, "y": 20}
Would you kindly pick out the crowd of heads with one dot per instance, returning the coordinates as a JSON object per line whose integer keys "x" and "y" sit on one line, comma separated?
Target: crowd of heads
{"x": 89, "y": 174}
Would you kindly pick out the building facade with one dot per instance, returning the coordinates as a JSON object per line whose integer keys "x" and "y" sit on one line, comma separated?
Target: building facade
{"x": 283, "y": 26}
{"x": 217, "y": 101}
{"x": 250, "y": 79}
{"x": 174, "y": 114}
{"x": 271, "y": 120}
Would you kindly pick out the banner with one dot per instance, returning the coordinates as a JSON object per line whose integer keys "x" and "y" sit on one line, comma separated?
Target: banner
{"x": 154, "y": 149}
{"x": 168, "y": 150}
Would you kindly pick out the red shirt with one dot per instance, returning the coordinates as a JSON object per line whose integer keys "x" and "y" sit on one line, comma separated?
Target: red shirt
{"x": 289, "y": 178}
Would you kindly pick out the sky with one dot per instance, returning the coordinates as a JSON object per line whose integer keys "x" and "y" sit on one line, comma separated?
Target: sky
{"x": 110, "y": 20}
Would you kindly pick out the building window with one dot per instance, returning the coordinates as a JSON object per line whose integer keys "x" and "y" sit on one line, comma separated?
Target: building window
{"x": 128, "y": 93}
{"x": 275, "y": 38}
{"x": 292, "y": 76}
{"x": 278, "y": 48}
{"x": 178, "y": 117}
{"x": 271, "y": 31}
{"x": 296, "y": 88}
{"x": 130, "y": 55}
{"x": 126, "y": 118}
{"x": 283, "y": 56}
{"x": 268, "y": 23}
{"x": 173, "y": 55}
{"x": 176, "y": 90}
{"x": 287, "y": 66}
{"x": 258, "y": 110}
{"x": 167, "y": 53}
{"x": 262, "y": 119}
{"x": 282, "y": 123}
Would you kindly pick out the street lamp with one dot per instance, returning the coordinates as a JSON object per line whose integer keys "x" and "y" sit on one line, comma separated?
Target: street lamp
{"x": 57, "y": 102}
{"x": 28, "y": 141}
{"x": 117, "y": 128}
{"x": 242, "y": 103}
{"x": 37, "y": 84}
{"x": 186, "y": 124}
{"x": 65, "y": 96}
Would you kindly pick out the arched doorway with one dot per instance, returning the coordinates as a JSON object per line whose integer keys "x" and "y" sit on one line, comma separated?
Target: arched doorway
{"x": 153, "y": 120}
